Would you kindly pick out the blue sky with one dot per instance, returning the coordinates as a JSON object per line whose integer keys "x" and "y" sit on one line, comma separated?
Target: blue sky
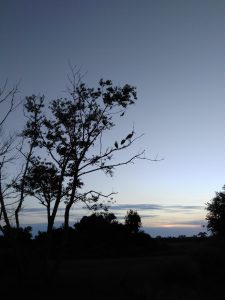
{"x": 172, "y": 51}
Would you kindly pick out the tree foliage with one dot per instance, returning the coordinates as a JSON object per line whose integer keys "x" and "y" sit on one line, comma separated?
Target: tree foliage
{"x": 67, "y": 143}
{"x": 95, "y": 221}
{"x": 216, "y": 214}
{"x": 99, "y": 235}
{"x": 133, "y": 221}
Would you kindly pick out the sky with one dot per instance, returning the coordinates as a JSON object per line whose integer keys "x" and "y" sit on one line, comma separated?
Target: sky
{"x": 174, "y": 53}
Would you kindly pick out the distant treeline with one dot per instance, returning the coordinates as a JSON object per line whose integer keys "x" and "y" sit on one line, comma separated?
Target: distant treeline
{"x": 97, "y": 235}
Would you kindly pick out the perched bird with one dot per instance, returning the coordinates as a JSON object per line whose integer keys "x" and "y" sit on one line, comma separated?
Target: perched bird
{"x": 122, "y": 114}
{"x": 116, "y": 145}
{"x": 129, "y": 135}
{"x": 122, "y": 142}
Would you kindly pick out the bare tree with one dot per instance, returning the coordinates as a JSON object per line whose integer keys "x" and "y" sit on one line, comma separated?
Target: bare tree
{"x": 8, "y": 104}
{"x": 20, "y": 182}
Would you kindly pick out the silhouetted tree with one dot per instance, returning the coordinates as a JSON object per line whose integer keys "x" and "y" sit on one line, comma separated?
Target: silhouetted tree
{"x": 133, "y": 221}
{"x": 216, "y": 214}
{"x": 70, "y": 137}
{"x": 21, "y": 235}
{"x": 95, "y": 222}
{"x": 19, "y": 183}
{"x": 7, "y": 104}
{"x": 10, "y": 204}
{"x": 12, "y": 189}
{"x": 100, "y": 234}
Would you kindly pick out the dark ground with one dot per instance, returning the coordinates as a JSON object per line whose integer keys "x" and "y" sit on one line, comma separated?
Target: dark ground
{"x": 181, "y": 269}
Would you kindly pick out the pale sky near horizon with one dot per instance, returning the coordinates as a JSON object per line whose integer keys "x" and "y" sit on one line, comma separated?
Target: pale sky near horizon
{"x": 172, "y": 51}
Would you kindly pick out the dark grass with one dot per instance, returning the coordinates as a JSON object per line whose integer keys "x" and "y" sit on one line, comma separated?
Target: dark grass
{"x": 179, "y": 269}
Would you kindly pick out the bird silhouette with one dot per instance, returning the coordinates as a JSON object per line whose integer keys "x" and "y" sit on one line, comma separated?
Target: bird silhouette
{"x": 116, "y": 145}
{"x": 122, "y": 114}
{"x": 122, "y": 142}
{"x": 129, "y": 136}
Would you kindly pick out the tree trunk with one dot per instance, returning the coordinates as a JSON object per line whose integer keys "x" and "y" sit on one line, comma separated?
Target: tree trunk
{"x": 3, "y": 208}
{"x": 67, "y": 216}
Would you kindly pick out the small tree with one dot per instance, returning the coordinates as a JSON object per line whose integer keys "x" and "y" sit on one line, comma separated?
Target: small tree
{"x": 216, "y": 214}
{"x": 133, "y": 221}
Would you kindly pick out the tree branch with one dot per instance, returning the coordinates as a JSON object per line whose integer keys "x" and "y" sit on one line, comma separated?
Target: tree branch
{"x": 111, "y": 166}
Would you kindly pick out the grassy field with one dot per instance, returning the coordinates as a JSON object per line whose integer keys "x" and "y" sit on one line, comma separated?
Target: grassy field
{"x": 182, "y": 269}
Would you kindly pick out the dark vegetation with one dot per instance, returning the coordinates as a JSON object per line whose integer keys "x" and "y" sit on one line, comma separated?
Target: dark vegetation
{"x": 105, "y": 259}
{"x": 216, "y": 214}
{"x": 99, "y": 257}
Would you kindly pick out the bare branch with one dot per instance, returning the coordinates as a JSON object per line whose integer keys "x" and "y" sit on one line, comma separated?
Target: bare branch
{"x": 97, "y": 193}
{"x": 109, "y": 152}
{"x": 111, "y": 166}
{"x": 10, "y": 97}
